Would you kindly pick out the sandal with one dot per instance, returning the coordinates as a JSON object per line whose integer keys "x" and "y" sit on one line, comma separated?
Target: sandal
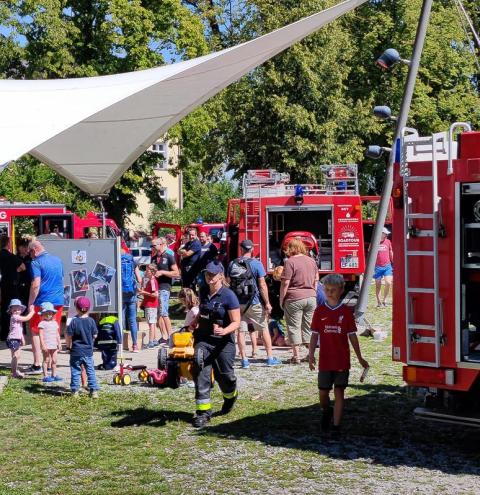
{"x": 254, "y": 355}
{"x": 294, "y": 360}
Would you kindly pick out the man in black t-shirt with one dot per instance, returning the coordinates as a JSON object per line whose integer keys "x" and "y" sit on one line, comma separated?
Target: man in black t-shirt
{"x": 190, "y": 255}
{"x": 167, "y": 269}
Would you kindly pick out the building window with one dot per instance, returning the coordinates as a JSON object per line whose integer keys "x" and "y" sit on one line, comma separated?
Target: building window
{"x": 162, "y": 193}
{"x": 162, "y": 150}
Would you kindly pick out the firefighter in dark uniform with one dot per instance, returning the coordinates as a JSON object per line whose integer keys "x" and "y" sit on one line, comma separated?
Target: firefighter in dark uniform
{"x": 214, "y": 337}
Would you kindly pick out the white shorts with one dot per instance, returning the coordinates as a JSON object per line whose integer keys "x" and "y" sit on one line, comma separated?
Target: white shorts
{"x": 151, "y": 315}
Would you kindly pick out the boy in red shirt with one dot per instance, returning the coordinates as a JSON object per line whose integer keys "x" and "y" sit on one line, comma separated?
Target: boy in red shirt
{"x": 149, "y": 291}
{"x": 333, "y": 326}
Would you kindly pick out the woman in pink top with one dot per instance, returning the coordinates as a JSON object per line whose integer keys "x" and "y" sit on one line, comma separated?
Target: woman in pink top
{"x": 298, "y": 295}
{"x": 15, "y": 338}
{"x": 49, "y": 333}
{"x": 383, "y": 268}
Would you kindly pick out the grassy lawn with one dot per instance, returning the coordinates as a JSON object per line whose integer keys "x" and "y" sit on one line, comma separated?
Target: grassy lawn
{"x": 137, "y": 440}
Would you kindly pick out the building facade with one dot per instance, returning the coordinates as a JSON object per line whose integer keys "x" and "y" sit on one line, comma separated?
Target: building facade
{"x": 171, "y": 188}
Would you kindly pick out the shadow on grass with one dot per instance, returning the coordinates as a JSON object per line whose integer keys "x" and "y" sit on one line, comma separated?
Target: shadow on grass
{"x": 378, "y": 426}
{"x": 39, "y": 388}
{"x": 147, "y": 417}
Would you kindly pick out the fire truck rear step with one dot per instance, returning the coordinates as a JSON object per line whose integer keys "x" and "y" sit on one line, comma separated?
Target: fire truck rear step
{"x": 413, "y": 216}
{"x": 442, "y": 417}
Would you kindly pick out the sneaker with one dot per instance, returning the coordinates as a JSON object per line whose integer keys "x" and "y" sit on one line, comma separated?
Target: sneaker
{"x": 18, "y": 375}
{"x": 326, "y": 419}
{"x": 47, "y": 379}
{"x": 156, "y": 343}
{"x": 245, "y": 364}
{"x": 228, "y": 404}
{"x": 273, "y": 361}
{"x": 336, "y": 433}
{"x": 93, "y": 394}
{"x": 57, "y": 379}
{"x": 152, "y": 344}
{"x": 135, "y": 348}
{"x": 75, "y": 394}
{"x": 34, "y": 370}
{"x": 201, "y": 419}
{"x": 163, "y": 342}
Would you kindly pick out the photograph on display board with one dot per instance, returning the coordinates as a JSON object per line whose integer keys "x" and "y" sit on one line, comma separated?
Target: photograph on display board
{"x": 79, "y": 280}
{"x": 103, "y": 272}
{"x": 101, "y": 294}
{"x": 67, "y": 295}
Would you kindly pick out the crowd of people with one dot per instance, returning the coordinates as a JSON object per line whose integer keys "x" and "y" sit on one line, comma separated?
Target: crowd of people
{"x": 220, "y": 303}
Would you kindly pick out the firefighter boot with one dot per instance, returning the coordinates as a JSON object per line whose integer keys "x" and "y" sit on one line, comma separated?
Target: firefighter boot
{"x": 201, "y": 418}
{"x": 228, "y": 402}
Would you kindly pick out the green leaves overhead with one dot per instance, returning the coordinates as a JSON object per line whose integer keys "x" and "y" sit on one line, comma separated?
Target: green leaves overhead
{"x": 308, "y": 106}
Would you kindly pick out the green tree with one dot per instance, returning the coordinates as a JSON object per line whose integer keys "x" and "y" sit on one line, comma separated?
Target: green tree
{"x": 207, "y": 200}
{"x": 77, "y": 38}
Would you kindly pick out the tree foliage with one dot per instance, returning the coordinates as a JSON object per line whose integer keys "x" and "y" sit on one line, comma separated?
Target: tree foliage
{"x": 308, "y": 106}
{"x": 79, "y": 38}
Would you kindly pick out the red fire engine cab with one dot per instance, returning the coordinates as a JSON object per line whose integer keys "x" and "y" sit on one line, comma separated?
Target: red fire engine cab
{"x": 48, "y": 218}
{"x": 330, "y": 214}
{"x": 436, "y": 240}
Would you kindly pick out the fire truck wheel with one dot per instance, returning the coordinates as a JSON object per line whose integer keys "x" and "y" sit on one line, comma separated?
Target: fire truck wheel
{"x": 143, "y": 375}
{"x": 162, "y": 358}
{"x": 117, "y": 380}
{"x": 172, "y": 375}
{"x": 126, "y": 379}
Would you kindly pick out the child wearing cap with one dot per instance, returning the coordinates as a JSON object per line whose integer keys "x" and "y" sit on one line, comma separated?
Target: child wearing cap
{"x": 15, "y": 338}
{"x": 81, "y": 333}
{"x": 49, "y": 333}
{"x": 383, "y": 268}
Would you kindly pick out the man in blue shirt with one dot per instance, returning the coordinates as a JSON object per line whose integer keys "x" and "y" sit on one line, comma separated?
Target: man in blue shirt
{"x": 47, "y": 286}
{"x": 253, "y": 312}
{"x": 190, "y": 255}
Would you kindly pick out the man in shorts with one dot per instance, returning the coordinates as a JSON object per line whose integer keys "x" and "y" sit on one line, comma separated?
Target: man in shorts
{"x": 333, "y": 327}
{"x": 254, "y": 313}
{"x": 47, "y": 286}
{"x": 383, "y": 268}
{"x": 167, "y": 270}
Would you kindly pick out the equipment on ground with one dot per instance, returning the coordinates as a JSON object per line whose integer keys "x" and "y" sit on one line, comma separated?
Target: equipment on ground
{"x": 123, "y": 375}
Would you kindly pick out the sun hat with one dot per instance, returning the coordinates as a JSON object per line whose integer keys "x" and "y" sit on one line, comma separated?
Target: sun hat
{"x": 82, "y": 303}
{"x": 214, "y": 267}
{"x": 16, "y": 302}
{"x": 46, "y": 307}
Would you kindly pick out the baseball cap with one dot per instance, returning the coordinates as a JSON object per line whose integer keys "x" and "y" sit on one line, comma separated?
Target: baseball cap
{"x": 385, "y": 231}
{"x": 82, "y": 303}
{"x": 214, "y": 267}
{"x": 246, "y": 244}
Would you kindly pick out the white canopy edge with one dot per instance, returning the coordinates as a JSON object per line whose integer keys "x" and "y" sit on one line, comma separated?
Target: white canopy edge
{"x": 90, "y": 130}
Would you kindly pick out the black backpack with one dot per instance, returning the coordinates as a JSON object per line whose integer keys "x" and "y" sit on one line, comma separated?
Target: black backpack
{"x": 242, "y": 280}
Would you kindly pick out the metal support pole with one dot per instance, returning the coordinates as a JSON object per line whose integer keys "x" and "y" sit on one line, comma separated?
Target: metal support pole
{"x": 388, "y": 182}
{"x": 104, "y": 216}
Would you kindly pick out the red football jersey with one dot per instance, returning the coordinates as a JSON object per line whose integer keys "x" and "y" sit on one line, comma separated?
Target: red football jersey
{"x": 150, "y": 285}
{"x": 333, "y": 326}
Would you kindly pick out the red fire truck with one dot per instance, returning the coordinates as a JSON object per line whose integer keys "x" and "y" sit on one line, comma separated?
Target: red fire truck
{"x": 436, "y": 238}
{"x": 330, "y": 213}
{"x": 48, "y": 218}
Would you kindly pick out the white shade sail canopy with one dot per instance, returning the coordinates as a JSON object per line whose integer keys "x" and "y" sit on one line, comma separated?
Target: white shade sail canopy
{"x": 90, "y": 130}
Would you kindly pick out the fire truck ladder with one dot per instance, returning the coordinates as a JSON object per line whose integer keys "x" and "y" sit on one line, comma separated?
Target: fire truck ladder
{"x": 253, "y": 182}
{"x": 433, "y": 329}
